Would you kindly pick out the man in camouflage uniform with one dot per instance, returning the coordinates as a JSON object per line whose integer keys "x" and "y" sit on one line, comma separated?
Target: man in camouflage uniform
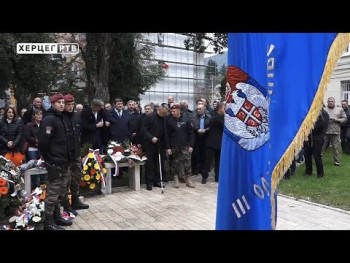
{"x": 337, "y": 116}
{"x": 179, "y": 141}
{"x": 53, "y": 148}
{"x": 71, "y": 120}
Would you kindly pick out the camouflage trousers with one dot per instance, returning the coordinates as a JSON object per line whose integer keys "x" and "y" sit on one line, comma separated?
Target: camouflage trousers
{"x": 55, "y": 188}
{"x": 73, "y": 182}
{"x": 181, "y": 162}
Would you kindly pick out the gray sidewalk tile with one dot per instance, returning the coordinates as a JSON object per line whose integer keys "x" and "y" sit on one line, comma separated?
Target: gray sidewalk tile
{"x": 192, "y": 209}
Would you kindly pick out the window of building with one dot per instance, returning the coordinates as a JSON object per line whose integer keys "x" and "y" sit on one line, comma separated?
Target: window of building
{"x": 160, "y": 38}
{"x": 345, "y": 89}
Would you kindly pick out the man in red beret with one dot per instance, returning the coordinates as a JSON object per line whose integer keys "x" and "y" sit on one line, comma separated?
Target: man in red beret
{"x": 180, "y": 140}
{"x": 71, "y": 120}
{"x": 53, "y": 146}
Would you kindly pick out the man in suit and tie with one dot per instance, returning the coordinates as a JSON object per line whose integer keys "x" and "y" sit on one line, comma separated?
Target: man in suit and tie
{"x": 119, "y": 119}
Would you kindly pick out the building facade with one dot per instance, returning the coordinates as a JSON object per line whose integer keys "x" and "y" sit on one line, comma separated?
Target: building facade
{"x": 184, "y": 70}
{"x": 339, "y": 86}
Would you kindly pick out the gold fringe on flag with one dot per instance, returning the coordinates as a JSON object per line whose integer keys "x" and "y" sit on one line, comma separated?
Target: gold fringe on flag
{"x": 336, "y": 50}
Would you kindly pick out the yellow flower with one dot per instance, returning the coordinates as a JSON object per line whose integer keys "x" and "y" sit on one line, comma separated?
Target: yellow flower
{"x": 104, "y": 170}
{"x": 96, "y": 166}
{"x": 87, "y": 177}
{"x": 98, "y": 177}
{"x": 85, "y": 167}
{"x": 89, "y": 164}
{"x": 91, "y": 156}
{"x": 92, "y": 186}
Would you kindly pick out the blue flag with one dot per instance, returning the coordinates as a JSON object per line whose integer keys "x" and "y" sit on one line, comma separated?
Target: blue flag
{"x": 274, "y": 92}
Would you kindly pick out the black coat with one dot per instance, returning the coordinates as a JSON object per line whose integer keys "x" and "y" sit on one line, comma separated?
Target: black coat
{"x": 73, "y": 129}
{"x": 13, "y": 131}
{"x": 89, "y": 132}
{"x": 140, "y": 137}
{"x": 319, "y": 131}
{"x": 179, "y": 132}
{"x": 52, "y": 139}
{"x": 216, "y": 127}
{"x": 31, "y": 134}
{"x": 154, "y": 126}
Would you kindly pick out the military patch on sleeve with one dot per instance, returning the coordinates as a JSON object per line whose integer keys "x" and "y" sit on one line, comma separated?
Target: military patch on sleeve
{"x": 48, "y": 129}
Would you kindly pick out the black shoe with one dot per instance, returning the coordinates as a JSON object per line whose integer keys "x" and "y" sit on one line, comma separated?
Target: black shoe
{"x": 319, "y": 175}
{"x": 336, "y": 164}
{"x": 77, "y": 204}
{"x": 149, "y": 187}
{"x": 307, "y": 174}
{"x": 204, "y": 180}
{"x": 62, "y": 222}
{"x": 69, "y": 209}
{"x": 52, "y": 227}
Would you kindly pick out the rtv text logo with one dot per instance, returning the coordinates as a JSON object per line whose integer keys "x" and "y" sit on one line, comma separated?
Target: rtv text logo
{"x": 47, "y": 48}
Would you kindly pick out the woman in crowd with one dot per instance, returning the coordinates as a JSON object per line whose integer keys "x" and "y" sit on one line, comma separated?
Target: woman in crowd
{"x": 11, "y": 132}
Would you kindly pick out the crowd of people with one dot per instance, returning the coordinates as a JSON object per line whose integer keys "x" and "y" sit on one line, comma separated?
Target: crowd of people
{"x": 189, "y": 141}
{"x": 331, "y": 128}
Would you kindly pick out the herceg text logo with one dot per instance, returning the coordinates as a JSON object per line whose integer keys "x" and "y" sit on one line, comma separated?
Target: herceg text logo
{"x": 47, "y": 48}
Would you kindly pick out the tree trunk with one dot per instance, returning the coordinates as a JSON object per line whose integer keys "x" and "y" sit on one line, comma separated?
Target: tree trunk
{"x": 102, "y": 92}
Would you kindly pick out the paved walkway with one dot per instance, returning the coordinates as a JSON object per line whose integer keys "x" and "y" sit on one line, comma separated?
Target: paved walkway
{"x": 191, "y": 209}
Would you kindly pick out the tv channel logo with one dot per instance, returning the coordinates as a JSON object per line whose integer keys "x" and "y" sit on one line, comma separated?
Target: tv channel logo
{"x": 48, "y": 48}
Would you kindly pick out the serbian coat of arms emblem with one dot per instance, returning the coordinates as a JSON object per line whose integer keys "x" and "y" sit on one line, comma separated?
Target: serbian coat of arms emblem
{"x": 246, "y": 117}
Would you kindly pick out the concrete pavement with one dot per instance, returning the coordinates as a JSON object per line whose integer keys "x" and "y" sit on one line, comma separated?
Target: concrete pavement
{"x": 191, "y": 209}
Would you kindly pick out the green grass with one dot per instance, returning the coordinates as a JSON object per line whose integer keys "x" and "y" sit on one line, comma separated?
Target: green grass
{"x": 333, "y": 189}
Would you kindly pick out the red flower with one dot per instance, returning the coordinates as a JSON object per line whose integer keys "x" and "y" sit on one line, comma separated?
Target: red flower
{"x": 2, "y": 182}
{"x": 82, "y": 183}
{"x": 4, "y": 190}
{"x": 165, "y": 66}
{"x": 92, "y": 171}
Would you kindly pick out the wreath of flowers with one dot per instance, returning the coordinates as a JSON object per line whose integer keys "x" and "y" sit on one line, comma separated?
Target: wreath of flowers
{"x": 94, "y": 170}
{"x": 9, "y": 178}
{"x": 125, "y": 150}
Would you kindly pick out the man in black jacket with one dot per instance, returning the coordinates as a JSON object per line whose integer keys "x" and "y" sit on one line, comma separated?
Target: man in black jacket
{"x": 313, "y": 146}
{"x": 72, "y": 123}
{"x": 93, "y": 123}
{"x": 154, "y": 131}
{"x": 179, "y": 144}
{"x": 53, "y": 146}
{"x": 213, "y": 142}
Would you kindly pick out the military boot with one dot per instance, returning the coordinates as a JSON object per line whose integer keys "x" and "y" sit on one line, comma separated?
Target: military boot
{"x": 77, "y": 204}
{"x": 50, "y": 224}
{"x": 58, "y": 219}
{"x": 176, "y": 178}
{"x": 189, "y": 182}
{"x": 67, "y": 208}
